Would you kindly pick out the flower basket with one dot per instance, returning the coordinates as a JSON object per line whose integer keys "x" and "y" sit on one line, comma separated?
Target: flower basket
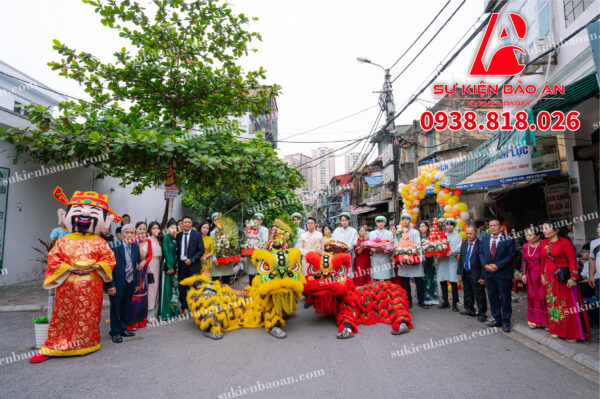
{"x": 227, "y": 259}
{"x": 40, "y": 327}
{"x": 437, "y": 242}
{"x": 407, "y": 253}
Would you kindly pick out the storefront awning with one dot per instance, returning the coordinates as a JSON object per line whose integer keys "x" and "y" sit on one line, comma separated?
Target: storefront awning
{"x": 488, "y": 152}
{"x": 574, "y": 94}
{"x": 361, "y": 209}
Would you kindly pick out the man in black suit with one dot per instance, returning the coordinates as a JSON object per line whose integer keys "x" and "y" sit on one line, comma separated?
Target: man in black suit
{"x": 470, "y": 273}
{"x": 124, "y": 283}
{"x": 190, "y": 249}
{"x": 496, "y": 253}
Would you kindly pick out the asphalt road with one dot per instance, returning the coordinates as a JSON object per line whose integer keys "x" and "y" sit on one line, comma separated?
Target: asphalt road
{"x": 176, "y": 360}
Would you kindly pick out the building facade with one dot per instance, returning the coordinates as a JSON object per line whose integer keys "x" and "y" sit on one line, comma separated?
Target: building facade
{"x": 324, "y": 167}
{"x": 27, "y": 210}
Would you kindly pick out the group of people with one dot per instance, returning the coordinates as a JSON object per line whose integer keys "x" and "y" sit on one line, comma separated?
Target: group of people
{"x": 484, "y": 263}
{"x": 148, "y": 262}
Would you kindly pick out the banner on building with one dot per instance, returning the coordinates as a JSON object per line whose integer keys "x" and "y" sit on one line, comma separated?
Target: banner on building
{"x": 519, "y": 164}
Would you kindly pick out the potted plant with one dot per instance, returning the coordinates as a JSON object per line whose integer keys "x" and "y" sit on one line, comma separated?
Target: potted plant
{"x": 40, "y": 325}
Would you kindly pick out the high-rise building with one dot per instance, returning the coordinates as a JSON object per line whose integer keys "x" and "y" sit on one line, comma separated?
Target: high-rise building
{"x": 299, "y": 161}
{"x": 324, "y": 167}
{"x": 353, "y": 160}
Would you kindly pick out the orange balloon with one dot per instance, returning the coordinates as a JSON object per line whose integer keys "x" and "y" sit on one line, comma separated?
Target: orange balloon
{"x": 455, "y": 211}
{"x": 457, "y": 191}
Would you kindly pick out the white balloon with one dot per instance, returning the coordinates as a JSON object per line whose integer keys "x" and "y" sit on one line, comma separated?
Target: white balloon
{"x": 465, "y": 215}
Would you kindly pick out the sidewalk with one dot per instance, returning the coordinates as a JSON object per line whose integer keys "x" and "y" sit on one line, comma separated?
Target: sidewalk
{"x": 585, "y": 353}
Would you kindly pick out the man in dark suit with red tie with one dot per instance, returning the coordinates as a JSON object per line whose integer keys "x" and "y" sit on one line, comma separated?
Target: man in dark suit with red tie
{"x": 471, "y": 275}
{"x": 496, "y": 253}
{"x": 190, "y": 249}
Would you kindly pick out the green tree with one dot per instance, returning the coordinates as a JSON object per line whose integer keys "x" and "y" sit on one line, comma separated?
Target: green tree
{"x": 272, "y": 204}
{"x": 168, "y": 96}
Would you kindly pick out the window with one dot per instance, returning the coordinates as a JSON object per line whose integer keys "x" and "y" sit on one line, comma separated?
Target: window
{"x": 431, "y": 141}
{"x": 544, "y": 20}
{"x": 574, "y": 8}
{"x": 20, "y": 109}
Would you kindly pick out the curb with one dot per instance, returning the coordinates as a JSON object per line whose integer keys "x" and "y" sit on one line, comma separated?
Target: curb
{"x": 35, "y": 308}
{"x": 559, "y": 346}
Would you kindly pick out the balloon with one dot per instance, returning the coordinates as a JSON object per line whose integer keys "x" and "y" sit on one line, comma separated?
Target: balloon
{"x": 460, "y": 222}
{"x": 415, "y": 210}
{"x": 446, "y": 197}
{"x": 421, "y": 195}
{"x": 462, "y": 206}
{"x": 463, "y": 235}
{"x": 464, "y": 215}
{"x": 453, "y": 200}
{"x": 447, "y": 208}
{"x": 436, "y": 189}
{"x": 457, "y": 191}
{"x": 416, "y": 202}
{"x": 455, "y": 211}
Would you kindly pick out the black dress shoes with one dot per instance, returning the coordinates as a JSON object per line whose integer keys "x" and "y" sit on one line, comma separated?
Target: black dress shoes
{"x": 128, "y": 334}
{"x": 482, "y": 318}
{"x": 422, "y": 306}
{"x": 467, "y": 313}
{"x": 454, "y": 307}
{"x": 506, "y": 328}
{"x": 443, "y": 305}
{"x": 494, "y": 324}
{"x": 116, "y": 339}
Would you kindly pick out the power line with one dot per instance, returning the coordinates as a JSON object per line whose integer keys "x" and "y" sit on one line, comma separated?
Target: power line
{"x": 331, "y": 123}
{"x": 424, "y": 30}
{"x": 364, "y": 145}
{"x": 430, "y": 40}
{"x": 473, "y": 35}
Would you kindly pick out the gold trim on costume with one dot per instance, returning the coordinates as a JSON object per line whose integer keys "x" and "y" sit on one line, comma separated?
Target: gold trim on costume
{"x": 79, "y": 236}
{"x": 105, "y": 272}
{"x": 82, "y": 277}
{"x": 55, "y": 352}
{"x": 59, "y": 272}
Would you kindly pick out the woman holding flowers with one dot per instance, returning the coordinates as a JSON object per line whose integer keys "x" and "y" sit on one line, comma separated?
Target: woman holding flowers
{"x": 431, "y": 296}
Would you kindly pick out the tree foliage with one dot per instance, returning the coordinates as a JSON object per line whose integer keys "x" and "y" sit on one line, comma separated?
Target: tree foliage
{"x": 169, "y": 96}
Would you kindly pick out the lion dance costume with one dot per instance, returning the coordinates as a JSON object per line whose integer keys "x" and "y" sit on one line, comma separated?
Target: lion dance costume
{"x": 330, "y": 291}
{"x": 272, "y": 296}
{"x": 78, "y": 266}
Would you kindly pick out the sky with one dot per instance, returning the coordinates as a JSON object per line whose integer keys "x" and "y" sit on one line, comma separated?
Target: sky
{"x": 309, "y": 48}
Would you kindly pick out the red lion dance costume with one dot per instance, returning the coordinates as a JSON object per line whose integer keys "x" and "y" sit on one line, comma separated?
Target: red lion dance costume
{"x": 330, "y": 291}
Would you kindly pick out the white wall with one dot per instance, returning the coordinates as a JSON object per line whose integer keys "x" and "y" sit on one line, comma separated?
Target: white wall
{"x": 31, "y": 210}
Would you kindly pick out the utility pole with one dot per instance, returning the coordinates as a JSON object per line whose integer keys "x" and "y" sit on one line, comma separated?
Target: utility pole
{"x": 387, "y": 102}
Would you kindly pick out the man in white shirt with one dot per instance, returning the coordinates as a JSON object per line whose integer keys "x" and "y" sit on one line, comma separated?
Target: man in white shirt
{"x": 310, "y": 241}
{"x": 346, "y": 234}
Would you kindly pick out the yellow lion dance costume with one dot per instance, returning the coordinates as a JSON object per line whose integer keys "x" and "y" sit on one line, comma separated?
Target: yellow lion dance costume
{"x": 272, "y": 296}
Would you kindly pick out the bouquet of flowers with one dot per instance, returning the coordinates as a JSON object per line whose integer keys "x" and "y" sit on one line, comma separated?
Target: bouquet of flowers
{"x": 251, "y": 240}
{"x": 377, "y": 243}
{"x": 226, "y": 241}
{"x": 407, "y": 252}
{"x": 437, "y": 242}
